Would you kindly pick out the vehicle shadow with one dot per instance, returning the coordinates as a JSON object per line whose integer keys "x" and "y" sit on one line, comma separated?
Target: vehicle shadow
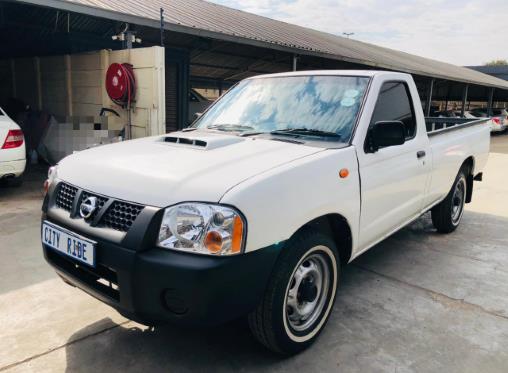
{"x": 229, "y": 347}
{"x": 370, "y": 306}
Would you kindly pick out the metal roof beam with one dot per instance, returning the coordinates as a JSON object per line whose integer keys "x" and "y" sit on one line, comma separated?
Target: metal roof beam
{"x": 359, "y": 53}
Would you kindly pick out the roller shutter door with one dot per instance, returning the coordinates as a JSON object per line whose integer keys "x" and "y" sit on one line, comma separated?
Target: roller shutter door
{"x": 171, "y": 96}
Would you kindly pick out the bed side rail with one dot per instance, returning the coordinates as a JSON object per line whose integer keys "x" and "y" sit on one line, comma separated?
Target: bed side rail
{"x": 440, "y": 125}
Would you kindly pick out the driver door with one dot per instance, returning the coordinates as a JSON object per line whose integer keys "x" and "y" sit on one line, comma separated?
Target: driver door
{"x": 392, "y": 178}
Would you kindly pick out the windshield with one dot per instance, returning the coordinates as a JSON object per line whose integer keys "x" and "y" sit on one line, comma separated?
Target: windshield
{"x": 315, "y": 105}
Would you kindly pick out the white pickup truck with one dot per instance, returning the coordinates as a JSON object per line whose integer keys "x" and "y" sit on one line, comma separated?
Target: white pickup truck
{"x": 255, "y": 208}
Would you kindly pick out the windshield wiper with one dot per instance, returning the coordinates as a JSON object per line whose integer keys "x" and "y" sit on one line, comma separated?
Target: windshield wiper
{"x": 306, "y": 132}
{"x": 251, "y": 133}
{"x": 229, "y": 127}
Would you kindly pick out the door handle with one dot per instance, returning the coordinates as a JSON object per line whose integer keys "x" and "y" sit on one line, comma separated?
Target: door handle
{"x": 420, "y": 154}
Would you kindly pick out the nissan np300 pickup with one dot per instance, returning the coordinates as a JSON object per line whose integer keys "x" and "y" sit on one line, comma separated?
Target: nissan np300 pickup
{"x": 255, "y": 208}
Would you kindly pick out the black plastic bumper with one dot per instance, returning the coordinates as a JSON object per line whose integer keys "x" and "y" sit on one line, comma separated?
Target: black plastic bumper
{"x": 157, "y": 285}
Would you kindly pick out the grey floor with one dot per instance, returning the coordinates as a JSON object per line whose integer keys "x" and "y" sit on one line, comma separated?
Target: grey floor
{"x": 418, "y": 302}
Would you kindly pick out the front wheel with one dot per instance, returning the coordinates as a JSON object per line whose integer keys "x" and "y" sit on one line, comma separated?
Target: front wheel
{"x": 446, "y": 216}
{"x": 300, "y": 294}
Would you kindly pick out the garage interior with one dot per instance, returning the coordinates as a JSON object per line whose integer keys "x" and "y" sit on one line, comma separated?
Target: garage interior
{"x": 199, "y": 64}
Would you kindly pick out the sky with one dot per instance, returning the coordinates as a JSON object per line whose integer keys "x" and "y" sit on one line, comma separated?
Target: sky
{"x": 462, "y": 32}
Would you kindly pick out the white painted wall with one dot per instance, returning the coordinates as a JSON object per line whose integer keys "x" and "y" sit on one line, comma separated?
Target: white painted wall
{"x": 72, "y": 87}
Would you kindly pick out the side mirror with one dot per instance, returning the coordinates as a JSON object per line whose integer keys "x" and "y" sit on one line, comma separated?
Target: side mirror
{"x": 386, "y": 133}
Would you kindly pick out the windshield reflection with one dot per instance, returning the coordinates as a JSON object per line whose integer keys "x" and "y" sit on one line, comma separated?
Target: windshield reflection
{"x": 320, "y": 103}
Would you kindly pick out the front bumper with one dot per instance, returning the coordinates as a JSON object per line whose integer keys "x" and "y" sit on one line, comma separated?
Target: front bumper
{"x": 154, "y": 285}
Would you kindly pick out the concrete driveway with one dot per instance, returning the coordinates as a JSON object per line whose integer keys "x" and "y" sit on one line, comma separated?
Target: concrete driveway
{"x": 419, "y": 301}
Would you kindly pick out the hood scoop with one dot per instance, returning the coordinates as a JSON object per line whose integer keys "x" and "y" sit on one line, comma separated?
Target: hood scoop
{"x": 186, "y": 141}
{"x": 204, "y": 142}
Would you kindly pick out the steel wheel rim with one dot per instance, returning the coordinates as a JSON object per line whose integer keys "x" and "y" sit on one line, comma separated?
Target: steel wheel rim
{"x": 307, "y": 291}
{"x": 458, "y": 198}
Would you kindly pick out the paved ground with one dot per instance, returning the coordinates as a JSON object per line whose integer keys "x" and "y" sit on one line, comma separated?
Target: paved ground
{"x": 419, "y": 301}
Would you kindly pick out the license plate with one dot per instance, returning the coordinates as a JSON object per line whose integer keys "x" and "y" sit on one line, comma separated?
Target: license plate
{"x": 68, "y": 243}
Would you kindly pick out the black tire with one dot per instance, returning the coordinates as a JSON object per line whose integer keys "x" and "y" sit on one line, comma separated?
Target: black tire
{"x": 12, "y": 182}
{"x": 273, "y": 319}
{"x": 446, "y": 216}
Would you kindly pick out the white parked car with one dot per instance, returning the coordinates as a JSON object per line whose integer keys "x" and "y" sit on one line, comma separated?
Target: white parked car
{"x": 12, "y": 150}
{"x": 498, "y": 122}
{"x": 256, "y": 208}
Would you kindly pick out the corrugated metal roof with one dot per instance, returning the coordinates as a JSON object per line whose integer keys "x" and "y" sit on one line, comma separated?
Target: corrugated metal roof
{"x": 199, "y": 17}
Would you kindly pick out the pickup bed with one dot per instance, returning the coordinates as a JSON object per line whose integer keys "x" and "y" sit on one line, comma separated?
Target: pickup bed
{"x": 255, "y": 208}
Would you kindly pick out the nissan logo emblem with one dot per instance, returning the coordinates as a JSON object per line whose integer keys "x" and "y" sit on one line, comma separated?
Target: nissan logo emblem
{"x": 88, "y": 207}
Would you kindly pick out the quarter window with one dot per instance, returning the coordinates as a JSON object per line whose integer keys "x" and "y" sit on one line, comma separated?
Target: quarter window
{"x": 394, "y": 103}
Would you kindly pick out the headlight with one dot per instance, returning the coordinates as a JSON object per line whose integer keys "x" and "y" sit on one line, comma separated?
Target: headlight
{"x": 202, "y": 228}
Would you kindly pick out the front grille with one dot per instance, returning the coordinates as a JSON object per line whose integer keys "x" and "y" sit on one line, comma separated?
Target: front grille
{"x": 101, "y": 200}
{"x": 121, "y": 215}
{"x": 65, "y": 196}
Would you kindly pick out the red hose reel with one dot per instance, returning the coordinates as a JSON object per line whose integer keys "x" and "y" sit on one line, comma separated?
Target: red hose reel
{"x": 121, "y": 84}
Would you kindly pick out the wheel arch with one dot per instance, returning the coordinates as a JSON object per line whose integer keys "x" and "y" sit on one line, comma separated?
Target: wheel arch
{"x": 468, "y": 165}
{"x": 337, "y": 227}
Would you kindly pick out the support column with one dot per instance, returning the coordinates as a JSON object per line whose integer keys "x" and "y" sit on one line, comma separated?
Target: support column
{"x": 428, "y": 104}
{"x": 295, "y": 60}
{"x": 68, "y": 84}
{"x": 464, "y": 100}
{"x": 489, "y": 104}
{"x": 447, "y": 96}
{"x": 162, "y": 26}
{"x": 13, "y": 74}
{"x": 221, "y": 88}
{"x": 38, "y": 81}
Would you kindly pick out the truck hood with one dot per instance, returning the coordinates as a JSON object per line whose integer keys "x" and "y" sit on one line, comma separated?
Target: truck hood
{"x": 181, "y": 166}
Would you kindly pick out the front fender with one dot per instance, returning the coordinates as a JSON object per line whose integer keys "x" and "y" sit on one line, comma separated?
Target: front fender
{"x": 278, "y": 202}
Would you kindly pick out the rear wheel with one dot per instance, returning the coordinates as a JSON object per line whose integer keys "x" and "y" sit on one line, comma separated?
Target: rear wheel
{"x": 11, "y": 182}
{"x": 300, "y": 294}
{"x": 446, "y": 216}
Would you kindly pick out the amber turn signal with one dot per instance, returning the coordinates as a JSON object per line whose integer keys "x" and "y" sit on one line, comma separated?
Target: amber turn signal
{"x": 213, "y": 242}
{"x": 344, "y": 173}
{"x": 236, "y": 243}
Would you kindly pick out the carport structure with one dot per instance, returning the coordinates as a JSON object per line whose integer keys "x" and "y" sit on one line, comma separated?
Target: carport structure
{"x": 212, "y": 46}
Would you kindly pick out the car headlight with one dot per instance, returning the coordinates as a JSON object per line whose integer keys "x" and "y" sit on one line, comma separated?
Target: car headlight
{"x": 202, "y": 228}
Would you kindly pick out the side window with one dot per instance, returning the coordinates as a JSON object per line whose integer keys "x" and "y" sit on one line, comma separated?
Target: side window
{"x": 394, "y": 103}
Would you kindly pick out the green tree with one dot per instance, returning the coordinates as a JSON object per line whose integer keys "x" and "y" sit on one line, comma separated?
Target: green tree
{"x": 497, "y": 63}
